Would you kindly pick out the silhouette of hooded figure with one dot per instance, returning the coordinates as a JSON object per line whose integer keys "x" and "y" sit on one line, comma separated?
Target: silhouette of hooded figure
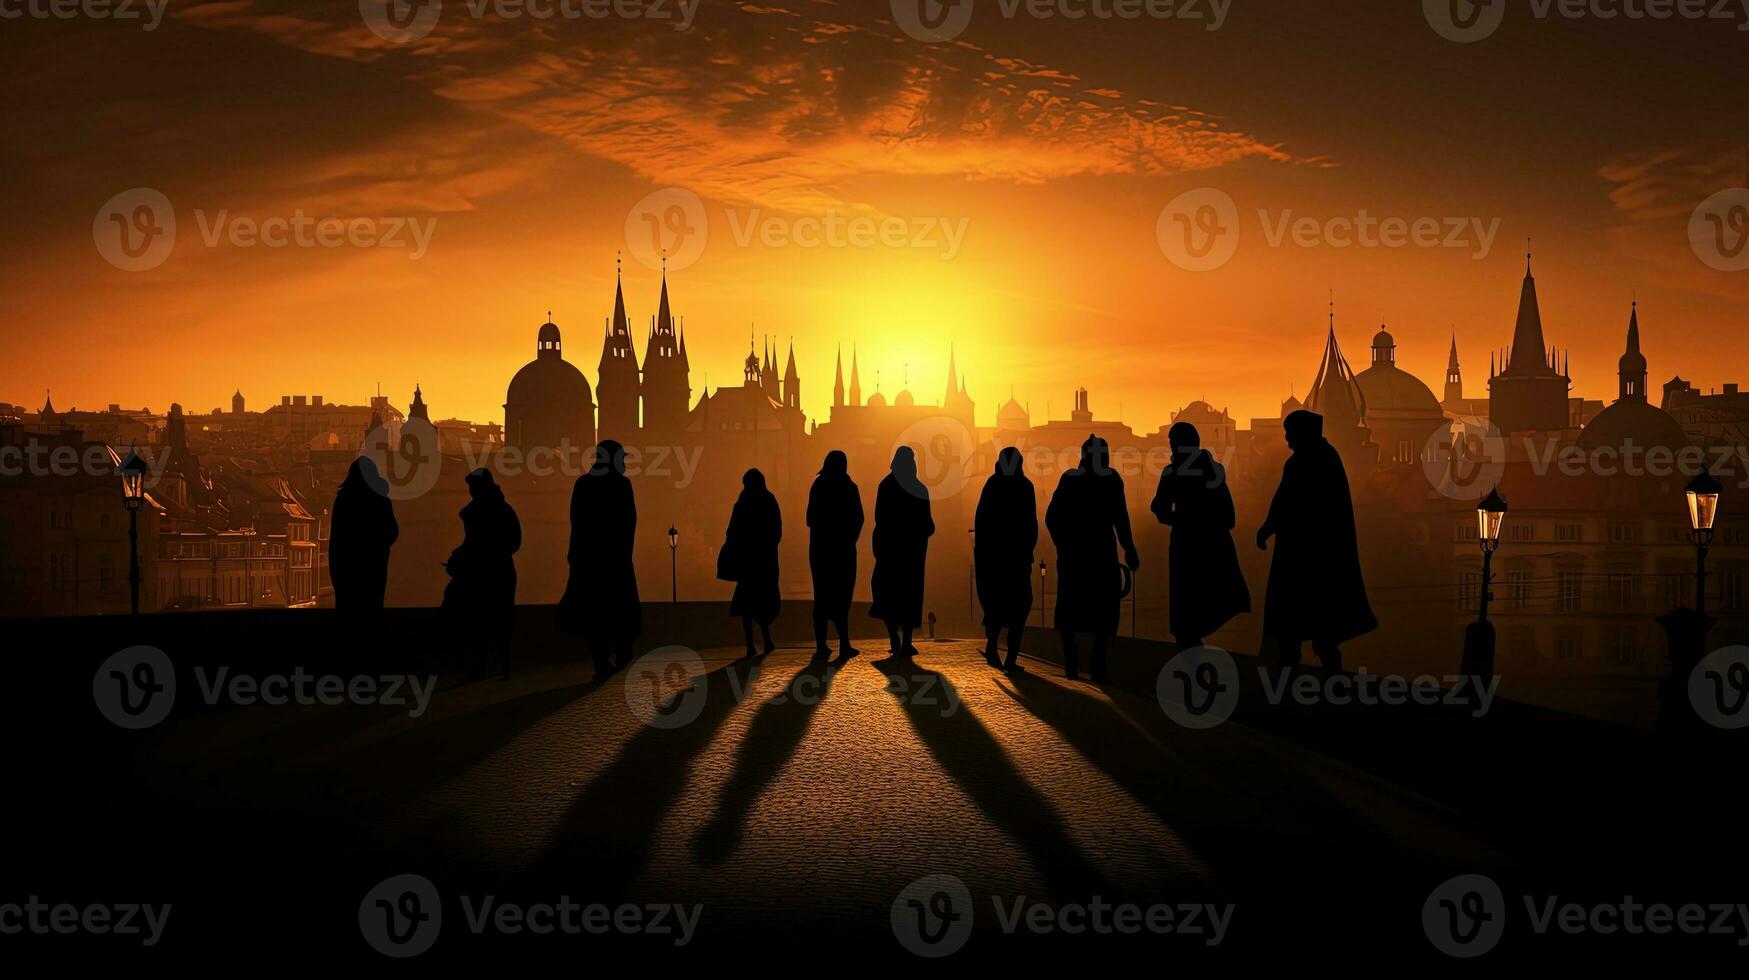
{"x": 1007, "y": 532}
{"x": 362, "y": 532}
{"x": 1207, "y": 587}
{"x": 755, "y": 528}
{"x": 835, "y": 521}
{"x": 1316, "y": 591}
{"x": 601, "y": 598}
{"x": 902, "y": 528}
{"x": 482, "y": 588}
{"x": 1088, "y": 520}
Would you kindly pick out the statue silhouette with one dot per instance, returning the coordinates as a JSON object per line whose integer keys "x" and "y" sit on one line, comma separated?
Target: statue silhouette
{"x": 363, "y": 530}
{"x": 1007, "y": 532}
{"x": 835, "y": 521}
{"x": 601, "y": 598}
{"x": 749, "y": 558}
{"x": 1207, "y": 587}
{"x": 480, "y": 599}
{"x": 1316, "y": 591}
{"x": 902, "y": 528}
{"x": 1088, "y": 520}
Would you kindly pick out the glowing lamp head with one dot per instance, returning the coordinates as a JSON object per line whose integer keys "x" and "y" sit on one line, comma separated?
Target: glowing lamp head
{"x": 1490, "y": 515}
{"x": 673, "y": 538}
{"x": 1703, "y": 502}
{"x": 133, "y": 471}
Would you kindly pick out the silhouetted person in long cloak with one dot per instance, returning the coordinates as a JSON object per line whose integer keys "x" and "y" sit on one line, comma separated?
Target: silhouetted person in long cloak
{"x": 755, "y": 528}
{"x": 601, "y": 599}
{"x": 1316, "y": 591}
{"x": 482, "y": 571}
{"x": 1007, "y": 532}
{"x": 902, "y": 528}
{"x": 1207, "y": 587}
{"x": 363, "y": 530}
{"x": 835, "y": 521}
{"x": 1088, "y": 522}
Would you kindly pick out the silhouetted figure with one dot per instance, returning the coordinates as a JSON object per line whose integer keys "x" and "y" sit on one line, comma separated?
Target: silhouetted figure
{"x": 749, "y": 558}
{"x": 362, "y": 532}
{"x": 1007, "y": 526}
{"x": 902, "y": 528}
{"x": 1088, "y": 521}
{"x": 481, "y": 595}
{"x": 1207, "y": 588}
{"x": 835, "y": 521}
{"x": 601, "y": 598}
{"x": 1316, "y": 591}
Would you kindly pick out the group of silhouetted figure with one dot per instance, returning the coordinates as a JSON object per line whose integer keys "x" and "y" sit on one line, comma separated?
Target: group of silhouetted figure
{"x": 1315, "y": 592}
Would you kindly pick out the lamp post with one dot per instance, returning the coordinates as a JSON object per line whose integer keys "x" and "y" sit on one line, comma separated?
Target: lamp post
{"x": 133, "y": 497}
{"x": 1703, "y": 511}
{"x": 972, "y": 578}
{"x": 1042, "y": 621}
{"x": 1687, "y": 629}
{"x": 673, "y": 564}
{"x": 1479, "y": 636}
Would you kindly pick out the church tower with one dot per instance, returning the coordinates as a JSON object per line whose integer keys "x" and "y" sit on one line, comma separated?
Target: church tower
{"x": 617, "y": 384}
{"x": 792, "y": 383}
{"x": 838, "y": 379}
{"x": 667, "y": 388}
{"x": 1336, "y": 395}
{"x": 1530, "y": 392}
{"x": 1454, "y": 378}
{"x": 855, "y": 379}
{"x": 1632, "y": 366}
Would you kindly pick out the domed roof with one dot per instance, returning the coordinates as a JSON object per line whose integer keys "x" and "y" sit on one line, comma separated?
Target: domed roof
{"x": 877, "y": 400}
{"x": 549, "y": 382}
{"x": 1383, "y": 339}
{"x": 1199, "y": 411}
{"x": 905, "y": 399}
{"x": 549, "y": 333}
{"x": 1391, "y": 390}
{"x": 1635, "y": 422}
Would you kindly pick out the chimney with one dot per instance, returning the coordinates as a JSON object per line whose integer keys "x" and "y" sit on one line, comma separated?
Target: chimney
{"x": 1731, "y": 389}
{"x": 298, "y": 400}
{"x": 317, "y": 401}
{"x": 285, "y": 401}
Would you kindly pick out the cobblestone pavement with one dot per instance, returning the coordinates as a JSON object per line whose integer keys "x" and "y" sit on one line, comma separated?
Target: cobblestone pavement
{"x": 775, "y": 791}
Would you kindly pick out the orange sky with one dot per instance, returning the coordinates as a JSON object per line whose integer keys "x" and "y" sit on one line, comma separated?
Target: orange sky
{"x": 1053, "y": 147}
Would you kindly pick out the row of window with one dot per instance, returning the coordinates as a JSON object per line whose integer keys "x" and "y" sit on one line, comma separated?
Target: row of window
{"x": 1625, "y": 591}
{"x": 1621, "y": 533}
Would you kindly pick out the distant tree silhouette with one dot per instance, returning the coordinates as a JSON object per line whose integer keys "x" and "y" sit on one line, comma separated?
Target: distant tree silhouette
{"x": 363, "y": 530}
{"x": 749, "y": 558}
{"x": 1006, "y": 522}
{"x": 1316, "y": 591}
{"x": 835, "y": 521}
{"x": 903, "y": 526}
{"x": 1207, "y": 586}
{"x": 601, "y": 601}
{"x": 481, "y": 596}
{"x": 1088, "y": 521}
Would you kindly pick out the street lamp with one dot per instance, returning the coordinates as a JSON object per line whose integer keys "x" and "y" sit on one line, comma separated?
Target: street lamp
{"x": 1687, "y": 629}
{"x": 674, "y": 563}
{"x": 1479, "y": 636}
{"x": 1042, "y": 621}
{"x": 133, "y": 497}
{"x": 1703, "y": 510}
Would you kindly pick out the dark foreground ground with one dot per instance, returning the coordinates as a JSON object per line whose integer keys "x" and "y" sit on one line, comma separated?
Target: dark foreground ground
{"x": 705, "y": 809}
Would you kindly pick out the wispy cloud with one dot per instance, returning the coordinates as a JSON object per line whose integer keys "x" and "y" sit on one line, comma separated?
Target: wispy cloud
{"x": 771, "y": 105}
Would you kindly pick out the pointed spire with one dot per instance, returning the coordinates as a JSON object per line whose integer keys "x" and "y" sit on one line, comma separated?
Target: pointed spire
{"x": 1451, "y": 363}
{"x": 838, "y": 378}
{"x": 855, "y": 379}
{"x": 48, "y": 403}
{"x": 1527, "y": 335}
{"x": 952, "y": 374}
